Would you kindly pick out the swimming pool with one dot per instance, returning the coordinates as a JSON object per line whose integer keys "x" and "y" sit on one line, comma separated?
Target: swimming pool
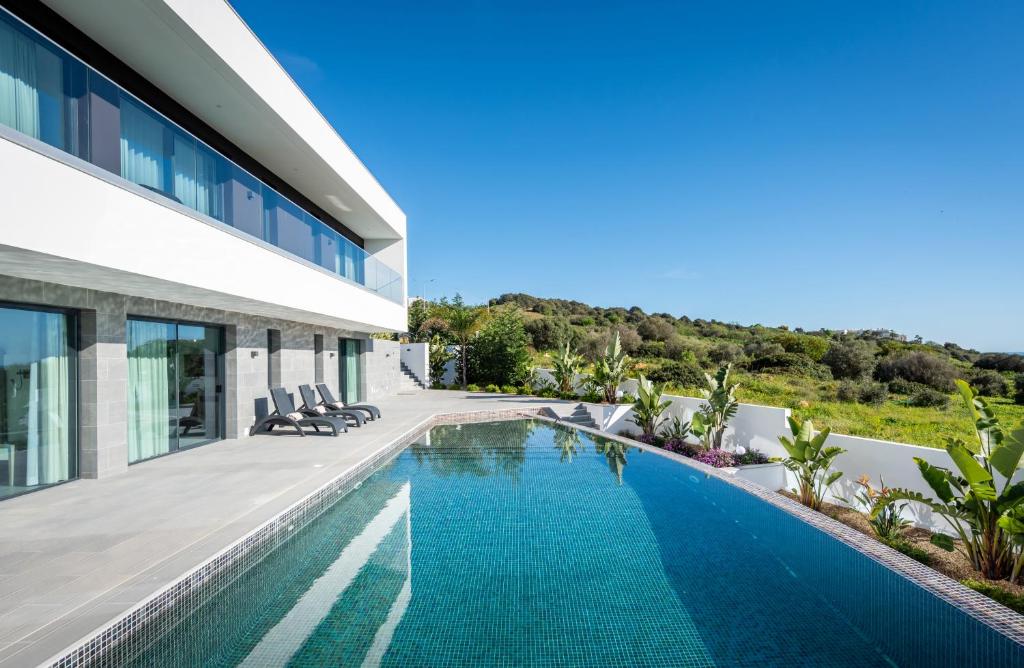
{"x": 522, "y": 543}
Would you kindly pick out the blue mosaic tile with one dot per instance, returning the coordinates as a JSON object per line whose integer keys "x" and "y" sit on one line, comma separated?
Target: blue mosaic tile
{"x": 520, "y": 543}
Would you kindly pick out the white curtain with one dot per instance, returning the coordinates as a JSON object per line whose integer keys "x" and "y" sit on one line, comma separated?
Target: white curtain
{"x": 184, "y": 165}
{"x": 49, "y": 438}
{"x": 19, "y": 96}
{"x": 209, "y": 199}
{"x": 142, "y": 146}
{"x": 149, "y": 409}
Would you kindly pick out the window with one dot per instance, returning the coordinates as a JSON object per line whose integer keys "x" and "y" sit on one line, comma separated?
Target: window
{"x": 38, "y": 424}
{"x": 318, "y": 358}
{"x": 273, "y": 358}
{"x": 175, "y": 383}
{"x": 348, "y": 369}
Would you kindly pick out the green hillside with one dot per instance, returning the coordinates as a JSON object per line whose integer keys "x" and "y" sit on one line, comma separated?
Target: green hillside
{"x": 873, "y": 383}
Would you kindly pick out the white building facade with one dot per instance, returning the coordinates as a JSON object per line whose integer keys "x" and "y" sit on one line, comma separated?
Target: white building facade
{"x": 180, "y": 229}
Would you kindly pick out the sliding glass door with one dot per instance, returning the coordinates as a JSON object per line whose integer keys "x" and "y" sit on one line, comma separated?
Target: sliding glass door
{"x": 348, "y": 372}
{"x": 175, "y": 387}
{"x": 37, "y": 399}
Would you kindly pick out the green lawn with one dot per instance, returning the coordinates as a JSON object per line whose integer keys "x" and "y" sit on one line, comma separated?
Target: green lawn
{"x": 891, "y": 421}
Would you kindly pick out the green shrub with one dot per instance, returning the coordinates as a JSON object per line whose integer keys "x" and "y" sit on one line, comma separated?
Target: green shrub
{"x": 725, "y": 353}
{"x": 494, "y": 389}
{"x": 472, "y": 387}
{"x": 525, "y": 390}
{"x": 762, "y": 348}
{"x": 873, "y": 394}
{"x": 651, "y": 349}
{"x": 928, "y": 398}
{"x": 509, "y": 389}
{"x": 853, "y": 360}
{"x": 848, "y": 391}
{"x": 593, "y": 396}
{"x": 548, "y": 333}
{"x": 803, "y": 344}
{"x": 989, "y": 383}
{"x": 997, "y": 594}
{"x": 901, "y": 544}
{"x": 1001, "y": 362}
{"x": 1018, "y": 381}
{"x": 796, "y": 363}
{"x": 500, "y": 352}
{"x": 903, "y": 386}
{"x": 681, "y": 374}
{"x": 655, "y": 329}
{"x": 936, "y": 372}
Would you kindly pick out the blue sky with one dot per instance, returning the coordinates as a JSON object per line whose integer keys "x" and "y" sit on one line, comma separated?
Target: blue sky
{"x": 817, "y": 164}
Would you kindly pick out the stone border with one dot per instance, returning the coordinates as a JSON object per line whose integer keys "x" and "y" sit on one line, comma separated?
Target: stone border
{"x": 995, "y": 615}
{"x": 123, "y": 637}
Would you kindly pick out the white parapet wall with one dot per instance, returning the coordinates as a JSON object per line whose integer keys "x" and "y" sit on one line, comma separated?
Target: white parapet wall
{"x": 416, "y": 357}
{"x": 759, "y": 427}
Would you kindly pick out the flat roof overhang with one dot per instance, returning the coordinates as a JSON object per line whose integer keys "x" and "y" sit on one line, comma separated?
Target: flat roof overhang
{"x": 204, "y": 56}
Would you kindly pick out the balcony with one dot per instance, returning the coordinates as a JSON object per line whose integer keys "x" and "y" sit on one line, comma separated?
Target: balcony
{"x": 51, "y": 96}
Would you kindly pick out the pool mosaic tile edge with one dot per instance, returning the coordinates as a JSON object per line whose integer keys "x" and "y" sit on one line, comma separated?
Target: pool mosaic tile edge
{"x": 126, "y": 634}
{"x": 994, "y": 615}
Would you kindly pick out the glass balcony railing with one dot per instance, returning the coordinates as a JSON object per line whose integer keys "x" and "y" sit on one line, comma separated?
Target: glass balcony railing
{"x": 48, "y": 94}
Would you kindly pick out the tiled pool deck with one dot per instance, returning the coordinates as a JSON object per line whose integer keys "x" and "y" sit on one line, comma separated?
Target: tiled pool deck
{"x": 77, "y": 556}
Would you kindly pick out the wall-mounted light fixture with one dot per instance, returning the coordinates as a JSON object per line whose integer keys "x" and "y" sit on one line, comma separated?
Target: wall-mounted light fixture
{"x": 254, "y": 353}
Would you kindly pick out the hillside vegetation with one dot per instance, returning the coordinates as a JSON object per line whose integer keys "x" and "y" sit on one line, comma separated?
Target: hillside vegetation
{"x": 873, "y": 383}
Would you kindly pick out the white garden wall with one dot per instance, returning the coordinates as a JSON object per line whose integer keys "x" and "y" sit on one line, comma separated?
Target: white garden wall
{"x": 759, "y": 427}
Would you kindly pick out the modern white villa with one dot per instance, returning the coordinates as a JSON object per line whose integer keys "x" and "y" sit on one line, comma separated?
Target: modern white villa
{"x": 191, "y": 256}
{"x": 180, "y": 230}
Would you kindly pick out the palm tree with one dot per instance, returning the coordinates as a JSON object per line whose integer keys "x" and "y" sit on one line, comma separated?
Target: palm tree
{"x": 463, "y": 322}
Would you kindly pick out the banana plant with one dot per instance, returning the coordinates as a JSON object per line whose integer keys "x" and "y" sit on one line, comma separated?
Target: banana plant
{"x": 568, "y": 443}
{"x": 710, "y": 422}
{"x": 610, "y": 370}
{"x": 615, "y": 454}
{"x": 648, "y": 407}
{"x": 985, "y": 511}
{"x": 567, "y": 365}
{"x": 811, "y": 461}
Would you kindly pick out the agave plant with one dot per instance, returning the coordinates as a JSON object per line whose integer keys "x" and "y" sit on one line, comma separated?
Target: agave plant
{"x": 986, "y": 513}
{"x": 677, "y": 429}
{"x": 568, "y": 364}
{"x": 648, "y": 407}
{"x": 811, "y": 461}
{"x": 710, "y": 422}
{"x": 610, "y": 370}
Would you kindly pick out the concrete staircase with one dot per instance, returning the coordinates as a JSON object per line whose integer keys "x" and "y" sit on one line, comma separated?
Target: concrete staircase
{"x": 581, "y": 416}
{"x": 408, "y": 382}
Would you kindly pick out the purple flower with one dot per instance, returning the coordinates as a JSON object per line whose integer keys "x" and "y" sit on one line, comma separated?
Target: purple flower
{"x": 716, "y": 458}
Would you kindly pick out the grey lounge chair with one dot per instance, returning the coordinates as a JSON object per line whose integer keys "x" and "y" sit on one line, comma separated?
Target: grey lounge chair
{"x": 309, "y": 402}
{"x": 286, "y": 415}
{"x": 329, "y": 400}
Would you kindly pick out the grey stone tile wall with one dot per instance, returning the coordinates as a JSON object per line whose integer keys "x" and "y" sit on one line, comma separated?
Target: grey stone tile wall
{"x": 381, "y": 368}
{"x": 103, "y": 362}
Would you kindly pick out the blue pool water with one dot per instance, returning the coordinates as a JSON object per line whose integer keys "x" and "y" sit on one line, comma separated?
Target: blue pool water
{"x": 522, "y": 544}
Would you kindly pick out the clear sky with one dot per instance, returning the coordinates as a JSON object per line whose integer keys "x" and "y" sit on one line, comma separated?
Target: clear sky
{"x": 817, "y": 164}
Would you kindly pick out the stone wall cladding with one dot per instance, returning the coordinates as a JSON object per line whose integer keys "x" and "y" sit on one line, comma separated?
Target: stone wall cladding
{"x": 381, "y": 368}
{"x": 103, "y": 362}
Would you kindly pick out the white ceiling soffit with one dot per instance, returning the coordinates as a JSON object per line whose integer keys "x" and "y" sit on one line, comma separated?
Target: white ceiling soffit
{"x": 202, "y": 54}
